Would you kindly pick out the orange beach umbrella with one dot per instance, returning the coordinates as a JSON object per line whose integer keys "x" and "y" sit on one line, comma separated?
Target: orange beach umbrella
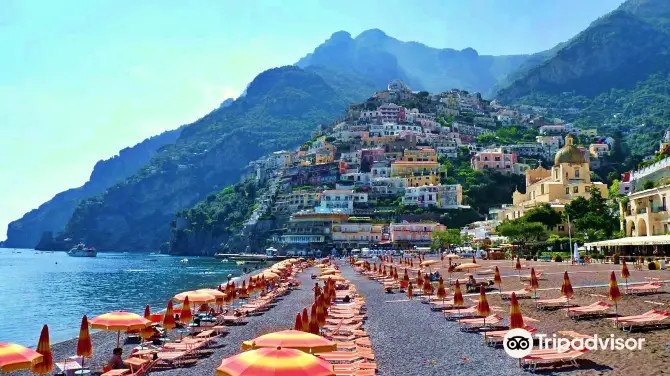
{"x": 483, "y": 308}
{"x": 517, "y": 266}
{"x": 409, "y": 291}
{"x": 566, "y": 288}
{"x": 195, "y": 297}
{"x": 291, "y": 339}
{"x": 298, "y": 322}
{"x": 274, "y": 361}
{"x": 534, "y": 283}
{"x": 305, "y": 320}
{"x": 441, "y": 291}
{"x": 44, "y": 348}
{"x": 168, "y": 319}
{"x": 515, "y": 317}
{"x": 15, "y": 357}
{"x": 625, "y": 274}
{"x": 218, "y": 295}
{"x": 118, "y": 321}
{"x": 148, "y": 331}
{"x": 427, "y": 287}
{"x": 84, "y": 345}
{"x": 186, "y": 314}
{"x": 458, "y": 296}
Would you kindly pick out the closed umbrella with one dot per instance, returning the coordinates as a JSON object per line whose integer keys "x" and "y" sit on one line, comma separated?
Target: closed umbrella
{"x": 405, "y": 280}
{"x": 305, "y": 320}
{"x": 15, "y": 357}
{"x": 409, "y": 291}
{"x": 274, "y": 361}
{"x": 517, "y": 266}
{"x": 625, "y": 273}
{"x": 427, "y": 287}
{"x": 298, "y": 322}
{"x": 614, "y": 295}
{"x": 441, "y": 291}
{"x": 186, "y": 314}
{"x": 148, "y": 331}
{"x": 84, "y": 345}
{"x": 419, "y": 279}
{"x": 515, "y": 317}
{"x": 566, "y": 289}
{"x": 313, "y": 322}
{"x": 168, "y": 319}
{"x": 534, "y": 283}
{"x": 483, "y": 308}
{"x": 44, "y": 348}
{"x": 291, "y": 339}
{"x": 497, "y": 279}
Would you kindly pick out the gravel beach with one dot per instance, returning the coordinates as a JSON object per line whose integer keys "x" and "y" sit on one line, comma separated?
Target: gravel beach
{"x": 410, "y": 339}
{"x": 279, "y": 317}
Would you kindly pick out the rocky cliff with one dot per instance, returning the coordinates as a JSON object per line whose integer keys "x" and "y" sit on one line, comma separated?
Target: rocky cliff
{"x": 52, "y": 216}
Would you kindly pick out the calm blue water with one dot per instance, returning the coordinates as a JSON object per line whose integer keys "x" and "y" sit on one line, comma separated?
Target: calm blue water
{"x": 55, "y": 289}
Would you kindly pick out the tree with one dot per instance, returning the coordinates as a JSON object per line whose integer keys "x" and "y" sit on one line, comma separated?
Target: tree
{"x": 649, "y": 184}
{"x": 446, "y": 238}
{"x": 544, "y": 214}
{"x": 593, "y": 216}
{"x": 522, "y": 231}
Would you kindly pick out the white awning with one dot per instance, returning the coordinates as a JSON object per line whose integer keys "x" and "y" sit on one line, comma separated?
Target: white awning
{"x": 634, "y": 240}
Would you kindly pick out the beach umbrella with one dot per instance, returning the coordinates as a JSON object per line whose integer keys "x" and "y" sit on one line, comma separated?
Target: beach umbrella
{"x": 15, "y": 357}
{"x": 625, "y": 274}
{"x": 44, "y": 348}
{"x": 243, "y": 290}
{"x": 517, "y": 266}
{"x": 186, "y": 314}
{"x": 195, "y": 297}
{"x": 291, "y": 339}
{"x": 304, "y": 319}
{"x": 359, "y": 262}
{"x": 219, "y": 296}
{"x": 168, "y": 318}
{"x": 427, "y": 287}
{"x": 452, "y": 256}
{"x": 419, "y": 279}
{"x": 614, "y": 295}
{"x": 409, "y": 291}
{"x": 428, "y": 263}
{"x": 276, "y": 361}
{"x": 148, "y": 331}
{"x": 473, "y": 259}
{"x": 374, "y": 267}
{"x": 405, "y": 280}
{"x": 483, "y": 308}
{"x": 298, "y": 322}
{"x": 395, "y": 274}
{"x": 84, "y": 345}
{"x": 497, "y": 279}
{"x": 566, "y": 288}
{"x": 320, "y": 312}
{"x": 313, "y": 322}
{"x": 118, "y": 321}
{"x": 441, "y": 291}
{"x": 515, "y": 317}
{"x": 458, "y": 296}
{"x": 330, "y": 271}
{"x": 411, "y": 263}
{"x": 534, "y": 284}
{"x": 467, "y": 266}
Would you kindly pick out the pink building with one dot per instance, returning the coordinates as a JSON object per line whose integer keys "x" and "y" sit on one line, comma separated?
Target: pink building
{"x": 494, "y": 159}
{"x": 391, "y": 113}
{"x": 414, "y": 233}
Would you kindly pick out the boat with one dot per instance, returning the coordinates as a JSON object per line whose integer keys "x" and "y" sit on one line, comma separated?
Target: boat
{"x": 240, "y": 262}
{"x": 184, "y": 261}
{"x": 80, "y": 250}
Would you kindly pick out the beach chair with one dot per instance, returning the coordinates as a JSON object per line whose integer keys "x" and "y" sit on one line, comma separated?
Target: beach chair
{"x": 651, "y": 313}
{"x": 596, "y": 309}
{"x": 489, "y": 323}
{"x": 524, "y": 293}
{"x": 552, "y": 356}
{"x": 495, "y": 337}
{"x": 657, "y": 320}
{"x": 526, "y": 277}
{"x": 551, "y": 303}
{"x": 463, "y": 313}
{"x": 647, "y": 288}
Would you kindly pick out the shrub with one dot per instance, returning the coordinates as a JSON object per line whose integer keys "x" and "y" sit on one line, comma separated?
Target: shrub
{"x": 528, "y": 257}
{"x": 615, "y": 259}
{"x": 534, "y": 258}
{"x": 652, "y": 266}
{"x": 558, "y": 258}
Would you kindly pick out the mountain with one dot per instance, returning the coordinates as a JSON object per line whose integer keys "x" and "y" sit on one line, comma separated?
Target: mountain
{"x": 616, "y": 51}
{"x": 280, "y": 109}
{"x": 54, "y": 214}
{"x": 381, "y": 58}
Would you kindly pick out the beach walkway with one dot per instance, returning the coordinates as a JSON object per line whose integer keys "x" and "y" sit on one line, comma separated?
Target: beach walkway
{"x": 279, "y": 317}
{"x": 410, "y": 339}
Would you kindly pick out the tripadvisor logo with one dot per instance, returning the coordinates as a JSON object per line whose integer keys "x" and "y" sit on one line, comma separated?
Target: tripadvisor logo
{"x": 518, "y": 343}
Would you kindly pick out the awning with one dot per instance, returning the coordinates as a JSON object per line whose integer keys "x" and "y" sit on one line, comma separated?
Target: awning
{"x": 634, "y": 240}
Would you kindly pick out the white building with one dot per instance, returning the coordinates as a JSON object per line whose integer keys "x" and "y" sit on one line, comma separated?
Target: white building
{"x": 393, "y": 129}
{"x": 342, "y": 200}
{"x": 388, "y": 186}
{"x": 441, "y": 196}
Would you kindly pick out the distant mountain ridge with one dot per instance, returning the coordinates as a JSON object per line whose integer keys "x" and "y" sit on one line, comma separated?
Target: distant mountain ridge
{"x": 617, "y": 50}
{"x": 381, "y": 58}
{"x": 54, "y": 214}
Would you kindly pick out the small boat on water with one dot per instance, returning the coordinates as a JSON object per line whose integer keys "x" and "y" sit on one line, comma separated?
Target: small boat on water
{"x": 184, "y": 261}
{"x": 80, "y": 250}
{"x": 240, "y": 262}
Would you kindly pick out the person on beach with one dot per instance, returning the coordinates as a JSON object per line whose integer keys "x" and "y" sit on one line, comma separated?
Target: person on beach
{"x": 116, "y": 362}
{"x": 317, "y": 290}
{"x": 471, "y": 283}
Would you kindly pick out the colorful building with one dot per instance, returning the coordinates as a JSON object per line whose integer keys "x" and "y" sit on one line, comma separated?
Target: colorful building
{"x": 409, "y": 234}
{"x": 423, "y": 154}
{"x": 494, "y": 159}
{"x": 311, "y": 229}
{"x": 342, "y": 200}
{"x": 441, "y": 196}
{"x": 357, "y": 232}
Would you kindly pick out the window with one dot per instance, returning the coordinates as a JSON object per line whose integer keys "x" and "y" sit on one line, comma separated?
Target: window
{"x": 576, "y": 172}
{"x": 561, "y": 228}
{"x": 542, "y": 189}
{"x": 567, "y": 190}
{"x": 556, "y": 175}
{"x": 575, "y": 190}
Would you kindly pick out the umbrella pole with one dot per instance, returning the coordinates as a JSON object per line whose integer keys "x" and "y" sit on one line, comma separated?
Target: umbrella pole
{"x": 484, "y": 329}
{"x": 118, "y": 338}
{"x": 616, "y": 317}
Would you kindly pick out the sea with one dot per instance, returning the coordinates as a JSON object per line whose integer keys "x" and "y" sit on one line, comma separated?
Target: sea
{"x": 38, "y": 288}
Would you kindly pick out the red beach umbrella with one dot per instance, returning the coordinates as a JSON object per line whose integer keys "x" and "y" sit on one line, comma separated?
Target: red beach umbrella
{"x": 305, "y": 320}
{"x": 419, "y": 279}
{"x": 458, "y": 296}
{"x": 441, "y": 291}
{"x": 427, "y": 287}
{"x": 298, "y": 322}
{"x": 483, "y": 306}
{"x": 517, "y": 266}
{"x": 44, "y": 348}
{"x": 313, "y": 322}
{"x": 409, "y": 291}
{"x": 534, "y": 283}
{"x": 515, "y": 317}
{"x": 614, "y": 294}
{"x": 148, "y": 331}
{"x": 566, "y": 288}
{"x": 186, "y": 314}
{"x": 405, "y": 280}
{"x": 497, "y": 279}
{"x": 625, "y": 274}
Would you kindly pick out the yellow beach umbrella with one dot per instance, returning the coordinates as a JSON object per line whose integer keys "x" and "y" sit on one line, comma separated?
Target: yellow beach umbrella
{"x": 15, "y": 357}
{"x": 118, "y": 321}
{"x": 276, "y": 362}
{"x": 467, "y": 266}
{"x": 44, "y": 348}
{"x": 195, "y": 297}
{"x": 291, "y": 339}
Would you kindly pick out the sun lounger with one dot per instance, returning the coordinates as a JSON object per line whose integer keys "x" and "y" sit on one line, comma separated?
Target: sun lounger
{"x": 69, "y": 366}
{"x": 345, "y": 356}
{"x": 496, "y": 337}
{"x": 655, "y": 320}
{"x": 596, "y": 309}
{"x": 520, "y": 294}
{"x": 570, "y": 357}
{"x": 551, "y": 303}
{"x": 526, "y": 277}
{"x": 489, "y": 322}
{"x": 648, "y": 288}
{"x": 651, "y": 313}
{"x": 463, "y": 313}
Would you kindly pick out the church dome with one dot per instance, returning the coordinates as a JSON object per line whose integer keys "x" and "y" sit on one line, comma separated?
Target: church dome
{"x": 569, "y": 153}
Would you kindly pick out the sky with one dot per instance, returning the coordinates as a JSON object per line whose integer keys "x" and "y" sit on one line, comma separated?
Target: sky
{"x": 81, "y": 79}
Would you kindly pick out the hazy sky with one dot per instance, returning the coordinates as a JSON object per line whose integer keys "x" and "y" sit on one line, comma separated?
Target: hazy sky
{"x": 81, "y": 79}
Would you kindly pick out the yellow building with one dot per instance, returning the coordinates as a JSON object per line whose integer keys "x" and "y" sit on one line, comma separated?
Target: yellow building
{"x": 416, "y": 173}
{"x": 421, "y": 180}
{"x": 420, "y": 155}
{"x": 646, "y": 212}
{"x": 569, "y": 178}
{"x": 324, "y": 156}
